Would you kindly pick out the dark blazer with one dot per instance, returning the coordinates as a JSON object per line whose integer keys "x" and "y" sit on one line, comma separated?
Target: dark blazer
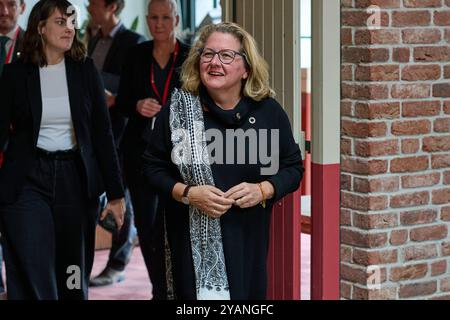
{"x": 18, "y": 47}
{"x": 115, "y": 58}
{"x": 22, "y": 108}
{"x": 134, "y": 86}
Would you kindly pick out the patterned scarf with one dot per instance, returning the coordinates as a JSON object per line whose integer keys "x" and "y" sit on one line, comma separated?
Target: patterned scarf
{"x": 190, "y": 154}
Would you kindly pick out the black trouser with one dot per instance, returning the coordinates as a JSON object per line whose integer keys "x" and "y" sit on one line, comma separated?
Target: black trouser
{"x": 2, "y": 285}
{"x": 49, "y": 232}
{"x": 150, "y": 229}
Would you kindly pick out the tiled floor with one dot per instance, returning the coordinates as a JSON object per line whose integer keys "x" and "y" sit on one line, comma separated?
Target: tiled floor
{"x": 137, "y": 285}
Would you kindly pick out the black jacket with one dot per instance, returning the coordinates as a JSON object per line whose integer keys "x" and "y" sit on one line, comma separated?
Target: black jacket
{"x": 123, "y": 41}
{"x": 134, "y": 86}
{"x": 22, "y": 108}
{"x": 18, "y": 47}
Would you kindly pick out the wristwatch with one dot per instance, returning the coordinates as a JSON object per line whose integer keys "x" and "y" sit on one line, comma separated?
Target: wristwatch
{"x": 184, "y": 197}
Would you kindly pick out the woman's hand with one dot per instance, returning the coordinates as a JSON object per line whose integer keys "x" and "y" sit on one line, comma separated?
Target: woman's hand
{"x": 247, "y": 195}
{"x": 210, "y": 200}
{"x": 148, "y": 107}
{"x": 117, "y": 209}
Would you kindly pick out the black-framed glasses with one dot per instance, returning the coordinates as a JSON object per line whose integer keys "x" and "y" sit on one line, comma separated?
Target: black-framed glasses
{"x": 226, "y": 56}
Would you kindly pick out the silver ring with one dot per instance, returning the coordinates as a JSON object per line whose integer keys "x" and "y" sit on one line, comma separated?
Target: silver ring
{"x": 252, "y": 120}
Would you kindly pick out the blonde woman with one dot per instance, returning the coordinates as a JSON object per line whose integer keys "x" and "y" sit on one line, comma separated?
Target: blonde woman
{"x": 221, "y": 155}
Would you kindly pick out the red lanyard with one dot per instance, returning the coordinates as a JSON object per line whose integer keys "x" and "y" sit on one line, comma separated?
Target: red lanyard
{"x": 163, "y": 100}
{"x": 10, "y": 51}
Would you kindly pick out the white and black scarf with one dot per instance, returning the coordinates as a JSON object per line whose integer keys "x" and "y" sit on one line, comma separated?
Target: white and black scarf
{"x": 191, "y": 157}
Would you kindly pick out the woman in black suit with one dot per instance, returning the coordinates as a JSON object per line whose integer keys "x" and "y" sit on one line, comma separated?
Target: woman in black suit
{"x": 60, "y": 157}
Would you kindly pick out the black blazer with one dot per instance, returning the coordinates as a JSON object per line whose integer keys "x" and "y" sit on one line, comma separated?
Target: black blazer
{"x": 134, "y": 86}
{"x": 115, "y": 58}
{"x": 18, "y": 47}
{"x": 21, "y": 107}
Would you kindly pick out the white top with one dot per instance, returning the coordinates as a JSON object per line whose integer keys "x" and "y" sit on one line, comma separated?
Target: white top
{"x": 56, "y": 132}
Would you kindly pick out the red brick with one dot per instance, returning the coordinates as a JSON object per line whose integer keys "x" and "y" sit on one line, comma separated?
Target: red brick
{"x": 421, "y": 36}
{"x": 415, "y": 271}
{"x": 429, "y": 54}
{"x": 360, "y": 18}
{"x": 346, "y": 182}
{"x": 445, "y": 284}
{"x": 447, "y": 35}
{"x": 421, "y": 3}
{"x": 439, "y": 161}
{"x": 376, "y": 148}
{"x": 447, "y": 107}
{"x": 364, "y": 55}
{"x": 410, "y": 146}
{"x": 377, "y": 257}
{"x": 346, "y": 3}
{"x": 345, "y": 290}
{"x": 353, "y": 274}
{"x": 346, "y": 36}
{"x": 363, "y": 129}
{"x": 445, "y": 249}
{"x": 420, "y": 252}
{"x": 347, "y": 72}
{"x": 346, "y": 109}
{"x": 378, "y": 73}
{"x": 444, "y": 297}
{"x": 441, "y": 196}
{"x": 364, "y": 240}
{"x": 410, "y": 199}
{"x": 375, "y": 221}
{"x": 436, "y": 232}
{"x": 413, "y": 18}
{"x": 411, "y": 164}
{"x": 447, "y": 177}
{"x": 361, "y": 166}
{"x": 346, "y": 217}
{"x": 442, "y": 125}
{"x": 401, "y": 55}
{"x": 346, "y": 146}
{"x": 447, "y": 72}
{"x": 385, "y": 184}
{"x": 410, "y": 91}
{"x": 413, "y": 127}
{"x": 416, "y": 217}
{"x": 383, "y": 36}
{"x": 346, "y": 253}
{"x": 441, "y": 90}
{"x": 383, "y": 4}
{"x": 442, "y": 18}
{"x": 421, "y": 72}
{"x": 445, "y": 213}
{"x": 385, "y": 293}
{"x": 377, "y": 110}
{"x": 421, "y": 108}
{"x": 421, "y": 180}
{"x": 365, "y": 202}
{"x": 366, "y": 91}
{"x": 398, "y": 237}
{"x": 417, "y": 289}
{"x": 438, "y": 268}
{"x": 436, "y": 144}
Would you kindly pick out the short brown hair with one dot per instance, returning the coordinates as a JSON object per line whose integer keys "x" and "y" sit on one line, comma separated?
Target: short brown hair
{"x": 33, "y": 49}
{"x": 119, "y": 3}
{"x": 256, "y": 86}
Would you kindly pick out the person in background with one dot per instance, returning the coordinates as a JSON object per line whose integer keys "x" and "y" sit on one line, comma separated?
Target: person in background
{"x": 220, "y": 195}
{"x": 11, "y": 36}
{"x": 60, "y": 158}
{"x": 108, "y": 48}
{"x": 150, "y": 73}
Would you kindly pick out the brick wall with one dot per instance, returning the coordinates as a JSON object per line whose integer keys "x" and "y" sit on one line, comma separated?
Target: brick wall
{"x": 395, "y": 211}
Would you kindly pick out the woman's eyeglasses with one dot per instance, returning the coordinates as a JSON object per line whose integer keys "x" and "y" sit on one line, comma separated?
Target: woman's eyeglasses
{"x": 226, "y": 56}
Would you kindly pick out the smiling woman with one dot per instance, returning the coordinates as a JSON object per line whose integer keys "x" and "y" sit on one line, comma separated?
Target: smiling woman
{"x": 56, "y": 162}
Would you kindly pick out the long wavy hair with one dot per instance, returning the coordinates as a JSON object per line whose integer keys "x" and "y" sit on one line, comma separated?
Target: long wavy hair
{"x": 33, "y": 43}
{"x": 256, "y": 86}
